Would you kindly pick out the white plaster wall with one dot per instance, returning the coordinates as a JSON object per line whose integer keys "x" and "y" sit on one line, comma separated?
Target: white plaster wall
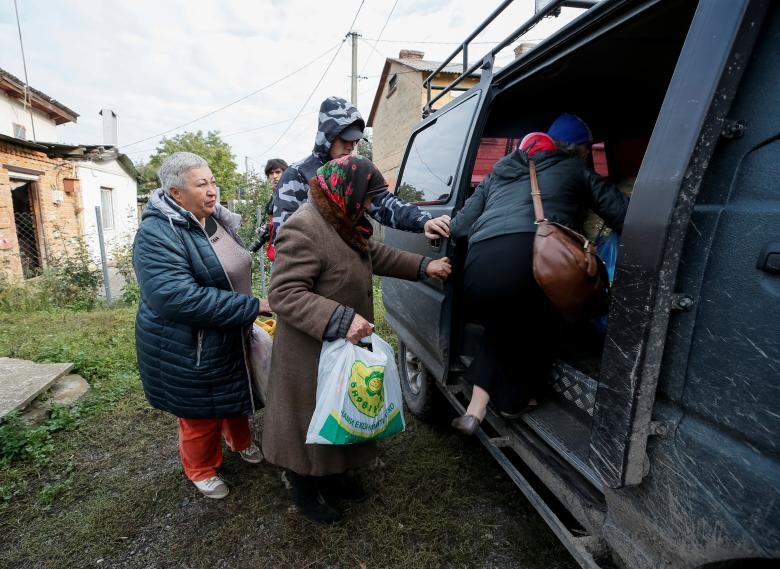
{"x": 13, "y": 111}
{"x": 93, "y": 175}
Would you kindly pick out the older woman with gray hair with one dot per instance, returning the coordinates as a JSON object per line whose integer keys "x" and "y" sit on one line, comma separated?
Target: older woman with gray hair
{"x": 195, "y": 313}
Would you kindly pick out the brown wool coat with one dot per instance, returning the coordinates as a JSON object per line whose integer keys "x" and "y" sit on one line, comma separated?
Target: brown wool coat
{"x": 316, "y": 271}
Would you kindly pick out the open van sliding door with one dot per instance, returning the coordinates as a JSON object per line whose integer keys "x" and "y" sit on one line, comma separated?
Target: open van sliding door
{"x": 433, "y": 174}
{"x": 699, "y": 96}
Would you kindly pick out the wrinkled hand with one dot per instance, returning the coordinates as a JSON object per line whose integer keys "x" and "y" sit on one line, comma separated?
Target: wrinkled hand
{"x": 438, "y": 227}
{"x": 265, "y": 307}
{"x": 439, "y": 269}
{"x": 359, "y": 329}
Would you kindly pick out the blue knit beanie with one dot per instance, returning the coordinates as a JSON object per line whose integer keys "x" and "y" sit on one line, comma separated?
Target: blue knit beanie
{"x": 570, "y": 129}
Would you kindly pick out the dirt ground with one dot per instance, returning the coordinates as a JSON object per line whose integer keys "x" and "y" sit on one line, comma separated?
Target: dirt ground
{"x": 437, "y": 501}
{"x": 110, "y": 492}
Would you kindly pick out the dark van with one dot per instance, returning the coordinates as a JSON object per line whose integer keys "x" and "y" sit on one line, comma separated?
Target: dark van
{"x": 657, "y": 445}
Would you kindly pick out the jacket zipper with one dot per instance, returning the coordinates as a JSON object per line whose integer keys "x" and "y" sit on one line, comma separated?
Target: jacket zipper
{"x": 243, "y": 342}
{"x": 200, "y": 347}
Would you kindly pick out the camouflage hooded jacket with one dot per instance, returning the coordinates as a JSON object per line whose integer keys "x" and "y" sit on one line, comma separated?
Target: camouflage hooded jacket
{"x": 335, "y": 116}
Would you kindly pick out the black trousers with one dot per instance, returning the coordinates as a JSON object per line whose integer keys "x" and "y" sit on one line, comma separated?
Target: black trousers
{"x": 514, "y": 361}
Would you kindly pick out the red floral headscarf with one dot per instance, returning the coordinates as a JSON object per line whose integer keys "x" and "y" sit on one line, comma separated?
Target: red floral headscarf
{"x": 346, "y": 182}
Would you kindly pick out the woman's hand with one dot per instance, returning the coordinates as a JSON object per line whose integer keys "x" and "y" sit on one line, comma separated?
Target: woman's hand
{"x": 359, "y": 329}
{"x": 439, "y": 269}
{"x": 438, "y": 227}
{"x": 265, "y": 308}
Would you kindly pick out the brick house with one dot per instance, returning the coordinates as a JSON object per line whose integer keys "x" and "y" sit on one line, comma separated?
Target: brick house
{"x": 39, "y": 205}
{"x": 43, "y": 212}
{"x": 398, "y": 104}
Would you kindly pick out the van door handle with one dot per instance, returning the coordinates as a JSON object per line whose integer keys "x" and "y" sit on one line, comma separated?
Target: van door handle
{"x": 769, "y": 258}
{"x": 435, "y": 244}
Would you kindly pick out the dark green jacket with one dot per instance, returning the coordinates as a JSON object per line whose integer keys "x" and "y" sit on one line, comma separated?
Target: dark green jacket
{"x": 501, "y": 203}
{"x": 190, "y": 326}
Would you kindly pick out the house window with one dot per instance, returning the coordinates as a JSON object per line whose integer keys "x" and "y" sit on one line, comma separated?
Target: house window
{"x": 392, "y": 85}
{"x": 107, "y": 207}
{"x": 20, "y": 131}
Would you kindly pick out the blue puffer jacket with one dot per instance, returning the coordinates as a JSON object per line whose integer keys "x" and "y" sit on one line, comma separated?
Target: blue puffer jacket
{"x": 190, "y": 326}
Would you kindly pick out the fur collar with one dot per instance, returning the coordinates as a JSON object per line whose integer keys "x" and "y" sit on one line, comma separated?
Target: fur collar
{"x": 333, "y": 215}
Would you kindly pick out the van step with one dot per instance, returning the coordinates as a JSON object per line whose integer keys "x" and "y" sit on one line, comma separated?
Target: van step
{"x": 581, "y": 549}
{"x": 567, "y": 433}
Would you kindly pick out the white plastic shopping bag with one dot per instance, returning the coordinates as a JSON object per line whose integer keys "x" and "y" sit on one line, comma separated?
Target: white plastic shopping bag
{"x": 358, "y": 394}
{"x": 260, "y": 347}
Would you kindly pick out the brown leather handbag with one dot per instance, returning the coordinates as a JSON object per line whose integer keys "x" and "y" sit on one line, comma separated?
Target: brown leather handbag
{"x": 566, "y": 265}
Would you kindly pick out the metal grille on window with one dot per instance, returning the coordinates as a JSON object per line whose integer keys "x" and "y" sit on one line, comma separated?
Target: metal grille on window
{"x": 28, "y": 232}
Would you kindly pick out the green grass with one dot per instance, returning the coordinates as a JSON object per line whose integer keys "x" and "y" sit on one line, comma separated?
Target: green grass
{"x": 106, "y": 484}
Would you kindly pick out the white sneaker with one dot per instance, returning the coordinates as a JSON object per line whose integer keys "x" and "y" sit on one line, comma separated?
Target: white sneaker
{"x": 213, "y": 487}
{"x": 252, "y": 455}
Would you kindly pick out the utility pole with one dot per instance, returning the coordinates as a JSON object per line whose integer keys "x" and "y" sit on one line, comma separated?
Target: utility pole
{"x": 354, "y": 36}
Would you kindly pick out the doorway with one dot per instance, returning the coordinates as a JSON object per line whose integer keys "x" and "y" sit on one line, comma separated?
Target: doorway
{"x": 27, "y": 227}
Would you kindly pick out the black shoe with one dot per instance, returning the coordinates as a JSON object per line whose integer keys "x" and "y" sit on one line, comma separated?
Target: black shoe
{"x": 530, "y": 406}
{"x": 466, "y": 424}
{"x": 337, "y": 487}
{"x": 305, "y": 497}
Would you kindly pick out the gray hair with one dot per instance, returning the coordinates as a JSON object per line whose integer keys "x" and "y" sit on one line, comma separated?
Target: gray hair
{"x": 173, "y": 168}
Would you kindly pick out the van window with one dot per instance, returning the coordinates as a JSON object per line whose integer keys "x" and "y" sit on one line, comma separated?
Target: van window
{"x": 434, "y": 155}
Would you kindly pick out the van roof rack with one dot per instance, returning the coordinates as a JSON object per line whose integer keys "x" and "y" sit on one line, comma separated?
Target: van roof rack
{"x": 543, "y": 9}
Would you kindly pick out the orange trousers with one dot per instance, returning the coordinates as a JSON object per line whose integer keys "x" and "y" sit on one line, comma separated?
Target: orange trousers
{"x": 200, "y": 443}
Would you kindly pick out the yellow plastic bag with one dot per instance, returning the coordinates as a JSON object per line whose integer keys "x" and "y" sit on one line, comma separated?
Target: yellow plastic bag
{"x": 268, "y": 325}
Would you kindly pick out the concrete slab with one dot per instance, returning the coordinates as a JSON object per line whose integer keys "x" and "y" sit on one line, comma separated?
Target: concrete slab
{"x": 66, "y": 391}
{"x": 21, "y": 381}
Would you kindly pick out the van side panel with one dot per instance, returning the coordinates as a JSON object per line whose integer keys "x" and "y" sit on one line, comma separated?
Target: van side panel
{"x": 677, "y": 156}
{"x": 712, "y": 490}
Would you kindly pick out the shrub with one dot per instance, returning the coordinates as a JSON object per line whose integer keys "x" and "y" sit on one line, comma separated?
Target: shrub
{"x": 123, "y": 257}
{"x": 71, "y": 280}
{"x": 19, "y": 441}
{"x": 21, "y": 297}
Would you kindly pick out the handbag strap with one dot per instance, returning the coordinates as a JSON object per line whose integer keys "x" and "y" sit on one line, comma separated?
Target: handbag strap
{"x": 536, "y": 195}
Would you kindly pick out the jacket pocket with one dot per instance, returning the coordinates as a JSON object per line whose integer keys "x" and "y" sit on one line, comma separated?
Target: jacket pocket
{"x": 199, "y": 348}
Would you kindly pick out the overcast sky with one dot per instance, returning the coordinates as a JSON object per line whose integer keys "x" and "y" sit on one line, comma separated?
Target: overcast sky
{"x": 163, "y": 63}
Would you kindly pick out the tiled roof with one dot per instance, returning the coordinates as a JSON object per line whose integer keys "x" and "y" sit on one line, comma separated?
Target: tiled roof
{"x": 430, "y": 66}
{"x": 16, "y": 85}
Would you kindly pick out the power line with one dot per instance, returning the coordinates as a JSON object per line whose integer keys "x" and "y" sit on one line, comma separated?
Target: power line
{"x": 255, "y": 92}
{"x": 352, "y": 25}
{"x": 306, "y": 102}
{"x": 27, "y": 98}
{"x": 314, "y": 90}
{"x": 379, "y": 36}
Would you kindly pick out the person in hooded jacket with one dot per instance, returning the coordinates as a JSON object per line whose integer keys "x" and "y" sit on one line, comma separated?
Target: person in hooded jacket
{"x": 499, "y": 284}
{"x": 195, "y": 313}
{"x": 340, "y": 128}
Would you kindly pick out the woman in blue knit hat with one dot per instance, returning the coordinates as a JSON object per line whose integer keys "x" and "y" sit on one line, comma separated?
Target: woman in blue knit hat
{"x": 499, "y": 284}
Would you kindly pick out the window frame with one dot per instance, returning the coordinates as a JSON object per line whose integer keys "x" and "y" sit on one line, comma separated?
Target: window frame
{"x": 411, "y": 148}
{"x": 392, "y": 84}
{"x": 20, "y": 127}
{"x": 104, "y": 217}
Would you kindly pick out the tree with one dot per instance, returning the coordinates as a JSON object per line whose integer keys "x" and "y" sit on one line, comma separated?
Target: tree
{"x": 212, "y": 148}
{"x": 147, "y": 177}
{"x": 365, "y": 147}
{"x": 254, "y": 193}
{"x": 409, "y": 193}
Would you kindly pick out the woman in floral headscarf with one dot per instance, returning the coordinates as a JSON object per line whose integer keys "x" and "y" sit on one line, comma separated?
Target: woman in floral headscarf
{"x": 321, "y": 289}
